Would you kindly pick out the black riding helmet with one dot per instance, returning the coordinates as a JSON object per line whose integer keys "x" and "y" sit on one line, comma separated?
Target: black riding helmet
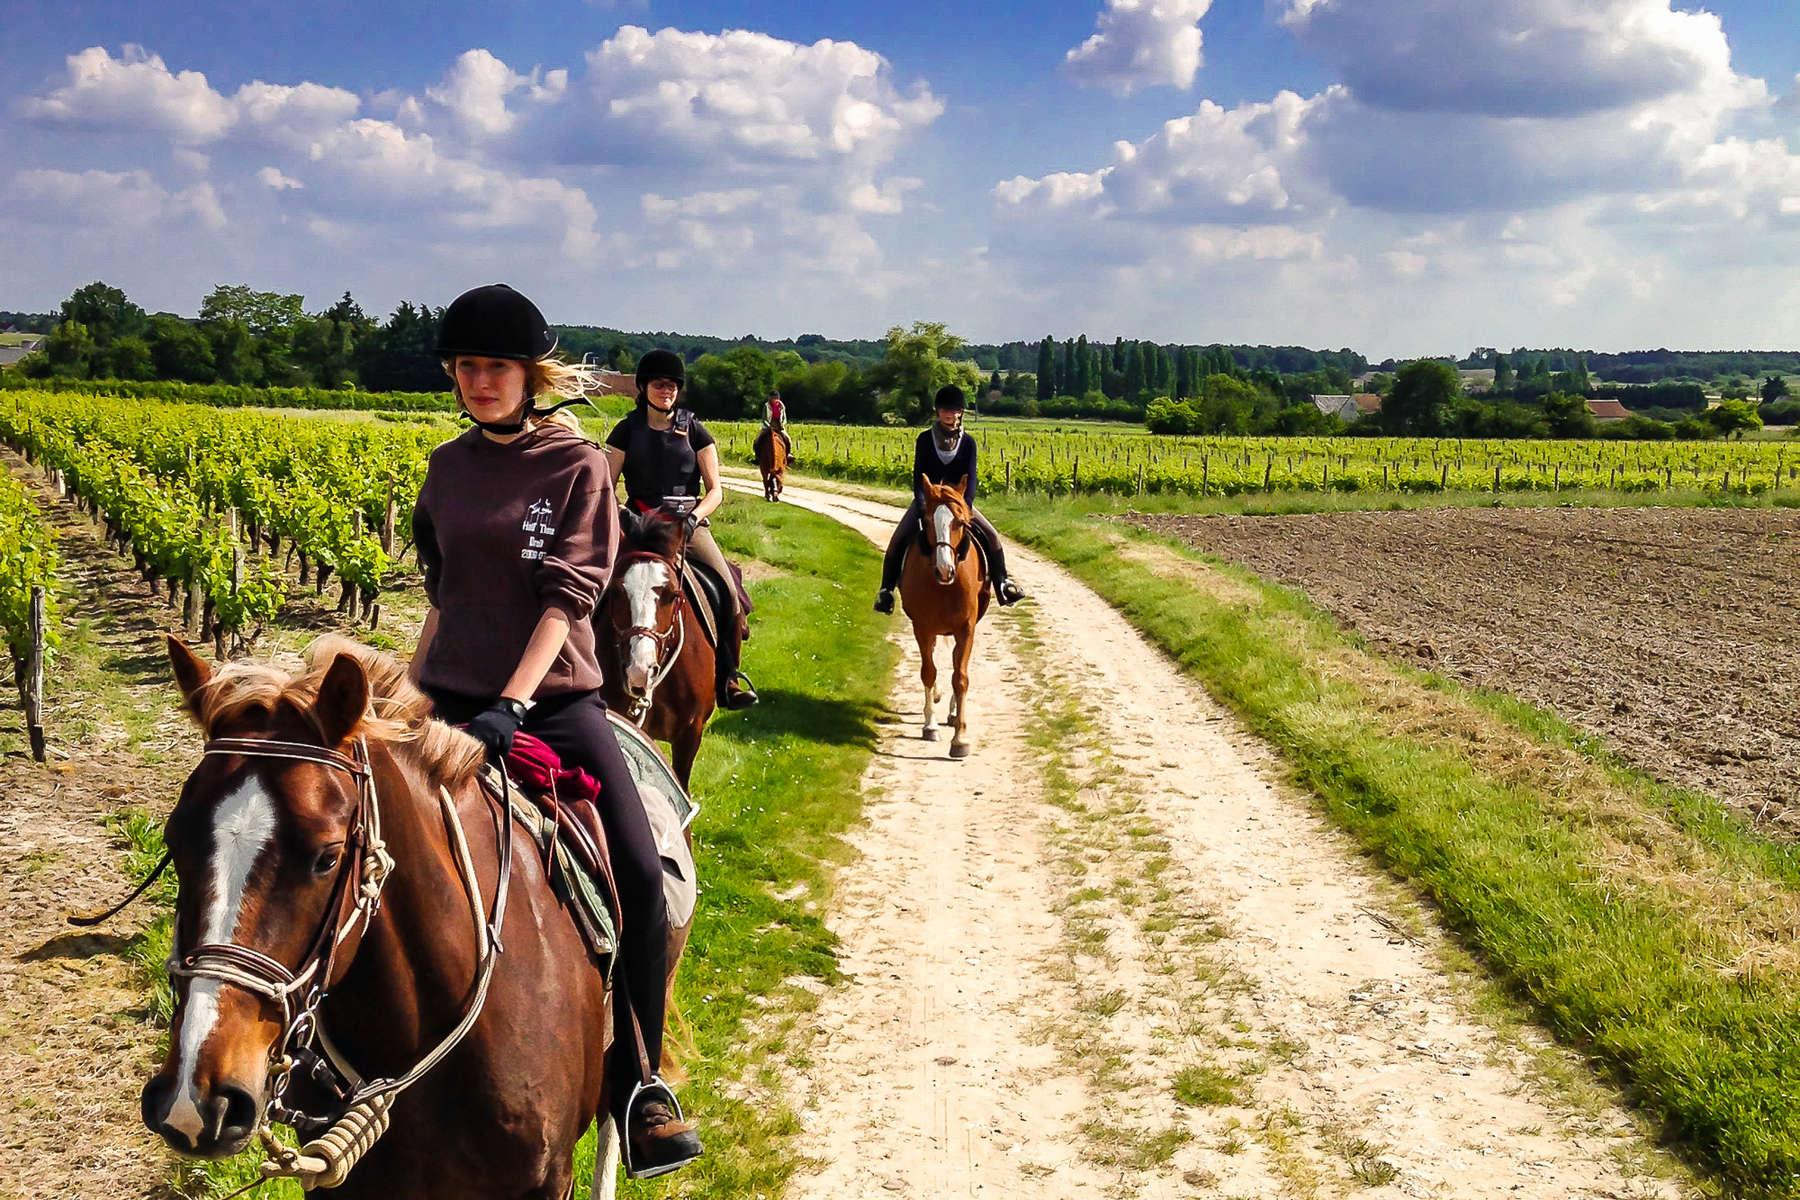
{"x": 661, "y": 364}
{"x": 494, "y": 322}
{"x": 950, "y": 396}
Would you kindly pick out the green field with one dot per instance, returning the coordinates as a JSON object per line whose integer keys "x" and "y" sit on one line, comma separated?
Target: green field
{"x": 1109, "y": 461}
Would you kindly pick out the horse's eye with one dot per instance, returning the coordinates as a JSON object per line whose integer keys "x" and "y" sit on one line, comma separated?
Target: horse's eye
{"x": 327, "y": 861}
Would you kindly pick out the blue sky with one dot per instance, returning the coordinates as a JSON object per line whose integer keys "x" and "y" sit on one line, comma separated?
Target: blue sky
{"x": 1397, "y": 176}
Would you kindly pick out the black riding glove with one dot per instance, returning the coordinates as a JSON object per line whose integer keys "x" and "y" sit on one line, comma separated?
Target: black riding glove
{"x": 495, "y": 726}
{"x": 688, "y": 525}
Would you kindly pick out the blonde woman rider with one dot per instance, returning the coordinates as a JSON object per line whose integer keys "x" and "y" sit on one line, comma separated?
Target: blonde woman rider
{"x": 516, "y": 529}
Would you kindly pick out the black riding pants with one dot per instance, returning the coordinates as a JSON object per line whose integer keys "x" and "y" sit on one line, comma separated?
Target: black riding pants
{"x": 575, "y": 727}
{"x": 982, "y": 528}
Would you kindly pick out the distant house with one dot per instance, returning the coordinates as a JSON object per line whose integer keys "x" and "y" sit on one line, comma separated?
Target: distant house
{"x": 1608, "y": 410}
{"x": 11, "y": 354}
{"x": 1478, "y": 381}
{"x": 1343, "y": 407}
{"x": 1368, "y": 402}
{"x": 616, "y": 383}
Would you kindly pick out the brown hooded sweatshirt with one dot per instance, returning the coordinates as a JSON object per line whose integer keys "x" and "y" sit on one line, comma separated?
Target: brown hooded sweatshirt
{"x": 506, "y": 532}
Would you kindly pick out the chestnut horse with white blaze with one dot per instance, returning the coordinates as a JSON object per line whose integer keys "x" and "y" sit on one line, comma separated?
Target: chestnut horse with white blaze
{"x": 656, "y": 663}
{"x": 772, "y": 461}
{"x": 344, "y": 883}
{"x": 945, "y": 594}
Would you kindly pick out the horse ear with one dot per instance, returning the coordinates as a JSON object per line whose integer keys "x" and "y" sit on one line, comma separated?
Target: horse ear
{"x": 925, "y": 481}
{"x": 628, "y": 525}
{"x": 343, "y": 699}
{"x": 962, "y": 486}
{"x": 191, "y": 674}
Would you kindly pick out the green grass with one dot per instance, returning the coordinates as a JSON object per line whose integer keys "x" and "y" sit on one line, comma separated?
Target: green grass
{"x": 1629, "y": 971}
{"x": 778, "y": 785}
{"x": 1206, "y": 1086}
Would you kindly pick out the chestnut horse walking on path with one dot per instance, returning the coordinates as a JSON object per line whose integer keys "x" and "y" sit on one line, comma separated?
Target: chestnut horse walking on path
{"x": 946, "y": 593}
{"x": 342, "y": 874}
{"x": 654, "y": 656}
{"x": 772, "y": 461}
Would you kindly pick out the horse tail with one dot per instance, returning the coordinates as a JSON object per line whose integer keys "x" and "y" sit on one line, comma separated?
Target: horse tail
{"x": 678, "y": 1044}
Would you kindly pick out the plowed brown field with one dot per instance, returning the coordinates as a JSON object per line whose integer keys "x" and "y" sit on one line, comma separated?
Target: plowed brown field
{"x": 1674, "y": 634}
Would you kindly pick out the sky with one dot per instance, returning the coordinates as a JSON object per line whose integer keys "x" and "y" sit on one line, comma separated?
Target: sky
{"x": 1399, "y": 177}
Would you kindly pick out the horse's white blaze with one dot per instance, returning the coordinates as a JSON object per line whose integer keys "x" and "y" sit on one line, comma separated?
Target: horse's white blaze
{"x": 641, "y": 582}
{"x": 945, "y": 558}
{"x": 243, "y": 826}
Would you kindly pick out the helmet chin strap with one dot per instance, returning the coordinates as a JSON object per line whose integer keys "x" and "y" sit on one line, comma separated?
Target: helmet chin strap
{"x": 525, "y": 414}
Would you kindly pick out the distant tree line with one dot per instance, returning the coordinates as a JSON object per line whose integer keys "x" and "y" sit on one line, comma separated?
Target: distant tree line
{"x": 245, "y": 338}
{"x": 1426, "y": 398}
{"x": 1708, "y": 367}
{"x": 242, "y": 337}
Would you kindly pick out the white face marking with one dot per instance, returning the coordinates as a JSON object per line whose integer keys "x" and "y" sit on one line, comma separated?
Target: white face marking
{"x": 941, "y": 517}
{"x": 641, "y": 582}
{"x": 243, "y": 826}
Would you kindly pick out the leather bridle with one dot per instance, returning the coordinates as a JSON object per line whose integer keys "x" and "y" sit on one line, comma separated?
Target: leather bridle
{"x": 959, "y": 547}
{"x": 639, "y": 706}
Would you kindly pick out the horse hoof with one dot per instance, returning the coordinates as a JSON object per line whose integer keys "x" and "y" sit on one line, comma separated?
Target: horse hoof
{"x": 929, "y": 735}
{"x": 960, "y": 749}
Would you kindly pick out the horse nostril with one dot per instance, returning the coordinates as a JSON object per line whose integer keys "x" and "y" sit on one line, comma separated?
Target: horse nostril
{"x": 235, "y": 1111}
{"x": 153, "y": 1105}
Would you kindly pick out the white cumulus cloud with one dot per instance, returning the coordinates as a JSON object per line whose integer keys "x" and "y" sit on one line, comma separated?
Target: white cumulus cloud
{"x": 111, "y": 202}
{"x": 1513, "y": 58}
{"x": 1140, "y": 43}
{"x": 134, "y": 91}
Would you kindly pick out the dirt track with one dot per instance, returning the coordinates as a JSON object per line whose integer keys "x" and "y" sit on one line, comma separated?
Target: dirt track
{"x": 1673, "y": 633}
{"x": 1121, "y": 961}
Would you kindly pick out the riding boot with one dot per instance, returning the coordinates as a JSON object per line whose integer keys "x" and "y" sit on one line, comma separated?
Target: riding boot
{"x": 655, "y": 1138}
{"x": 891, "y": 564}
{"x": 734, "y": 690}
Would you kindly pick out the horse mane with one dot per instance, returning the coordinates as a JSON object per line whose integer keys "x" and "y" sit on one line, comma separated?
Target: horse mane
{"x": 399, "y": 715}
{"x": 952, "y": 495}
{"x": 653, "y": 535}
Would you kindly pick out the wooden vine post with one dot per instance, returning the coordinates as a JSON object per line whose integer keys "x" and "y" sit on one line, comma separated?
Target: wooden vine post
{"x": 31, "y": 684}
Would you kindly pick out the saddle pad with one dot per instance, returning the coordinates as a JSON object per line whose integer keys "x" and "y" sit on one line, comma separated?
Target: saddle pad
{"x": 671, "y": 811}
{"x": 584, "y": 896}
{"x": 703, "y": 592}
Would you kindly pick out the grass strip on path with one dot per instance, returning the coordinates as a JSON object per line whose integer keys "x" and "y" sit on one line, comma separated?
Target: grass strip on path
{"x": 1648, "y": 927}
{"x": 778, "y": 784}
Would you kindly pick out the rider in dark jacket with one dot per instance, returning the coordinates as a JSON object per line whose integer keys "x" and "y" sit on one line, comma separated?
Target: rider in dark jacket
{"x": 516, "y": 527}
{"x": 945, "y": 454}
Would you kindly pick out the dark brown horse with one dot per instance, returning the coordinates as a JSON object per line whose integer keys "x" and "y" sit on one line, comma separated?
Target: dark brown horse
{"x": 772, "y": 461}
{"x": 945, "y": 593}
{"x": 314, "y": 791}
{"x": 654, "y": 656}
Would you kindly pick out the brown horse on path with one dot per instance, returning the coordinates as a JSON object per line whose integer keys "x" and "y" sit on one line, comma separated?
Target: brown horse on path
{"x": 772, "y": 461}
{"x": 341, "y": 869}
{"x": 946, "y": 593}
{"x": 656, "y": 663}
